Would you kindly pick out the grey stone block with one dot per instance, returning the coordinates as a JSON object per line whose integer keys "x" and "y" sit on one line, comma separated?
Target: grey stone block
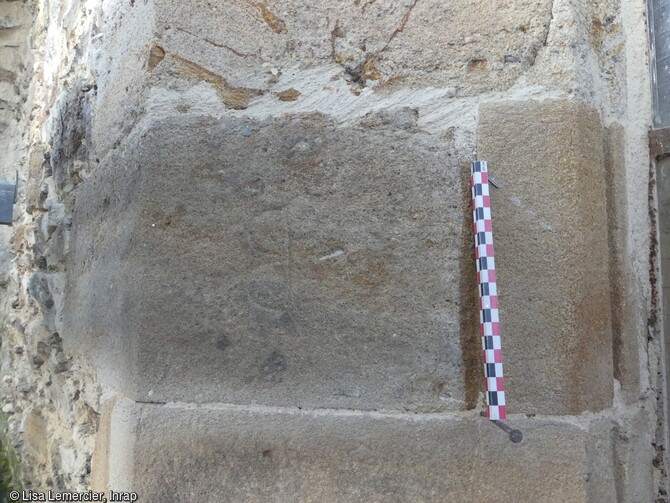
{"x": 305, "y": 264}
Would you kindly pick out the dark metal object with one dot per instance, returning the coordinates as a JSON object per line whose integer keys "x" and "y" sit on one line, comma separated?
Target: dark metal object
{"x": 8, "y": 191}
{"x": 516, "y": 436}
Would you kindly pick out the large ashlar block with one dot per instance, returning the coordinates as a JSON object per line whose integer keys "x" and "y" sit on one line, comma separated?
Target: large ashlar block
{"x": 290, "y": 262}
{"x": 550, "y": 227}
{"x": 259, "y": 455}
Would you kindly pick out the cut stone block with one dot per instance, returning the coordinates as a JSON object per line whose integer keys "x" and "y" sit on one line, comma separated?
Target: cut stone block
{"x": 257, "y": 454}
{"x": 289, "y": 262}
{"x": 550, "y": 228}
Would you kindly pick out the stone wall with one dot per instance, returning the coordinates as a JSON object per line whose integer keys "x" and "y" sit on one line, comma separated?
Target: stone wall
{"x": 241, "y": 264}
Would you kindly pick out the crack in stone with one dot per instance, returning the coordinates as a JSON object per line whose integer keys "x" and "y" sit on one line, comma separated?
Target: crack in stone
{"x": 216, "y": 44}
{"x": 535, "y": 51}
{"x": 366, "y": 69}
{"x": 335, "y": 33}
{"x": 400, "y": 28}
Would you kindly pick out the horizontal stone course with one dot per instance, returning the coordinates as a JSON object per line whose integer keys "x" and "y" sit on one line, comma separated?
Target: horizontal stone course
{"x": 259, "y": 454}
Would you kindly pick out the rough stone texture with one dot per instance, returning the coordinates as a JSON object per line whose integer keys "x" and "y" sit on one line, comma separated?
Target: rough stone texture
{"x": 341, "y": 457}
{"x": 49, "y": 397}
{"x": 243, "y": 202}
{"x": 373, "y": 41}
{"x": 627, "y": 330}
{"x": 321, "y": 271}
{"x": 550, "y": 224}
{"x": 253, "y": 50}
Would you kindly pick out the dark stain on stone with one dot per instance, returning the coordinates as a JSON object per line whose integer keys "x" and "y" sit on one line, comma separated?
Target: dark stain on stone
{"x": 46, "y": 346}
{"x": 360, "y": 73}
{"x": 222, "y": 342}
{"x": 73, "y": 138}
{"x": 468, "y": 302}
{"x": 39, "y": 252}
{"x": 156, "y": 55}
{"x": 440, "y": 388}
{"x": 274, "y": 363}
{"x": 267, "y": 453}
{"x": 652, "y": 321}
{"x": 51, "y": 348}
{"x": 38, "y": 289}
{"x": 355, "y": 74}
{"x": 285, "y": 320}
{"x": 476, "y": 65}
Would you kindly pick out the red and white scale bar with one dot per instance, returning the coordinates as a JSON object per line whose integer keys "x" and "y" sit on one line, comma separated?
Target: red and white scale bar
{"x": 488, "y": 292}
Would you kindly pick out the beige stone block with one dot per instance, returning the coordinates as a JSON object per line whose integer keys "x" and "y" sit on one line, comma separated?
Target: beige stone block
{"x": 550, "y": 228}
{"x": 230, "y": 454}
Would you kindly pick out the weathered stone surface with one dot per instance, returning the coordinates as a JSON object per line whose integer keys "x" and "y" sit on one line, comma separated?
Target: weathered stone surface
{"x": 273, "y": 455}
{"x": 286, "y": 262}
{"x": 255, "y": 51}
{"x": 232, "y": 246}
{"x": 628, "y": 319}
{"x": 550, "y": 225}
{"x": 373, "y": 41}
